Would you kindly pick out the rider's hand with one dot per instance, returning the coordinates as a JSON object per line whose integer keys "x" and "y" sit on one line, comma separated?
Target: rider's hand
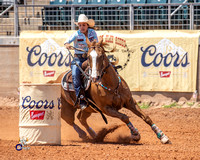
{"x": 68, "y": 46}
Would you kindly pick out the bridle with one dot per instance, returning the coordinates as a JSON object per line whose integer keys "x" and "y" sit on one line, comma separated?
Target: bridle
{"x": 115, "y": 91}
{"x": 103, "y": 71}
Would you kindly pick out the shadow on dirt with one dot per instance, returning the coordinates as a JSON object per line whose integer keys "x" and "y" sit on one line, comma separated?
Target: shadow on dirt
{"x": 105, "y": 131}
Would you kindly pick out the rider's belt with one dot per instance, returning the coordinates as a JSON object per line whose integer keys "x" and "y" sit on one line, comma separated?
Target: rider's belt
{"x": 81, "y": 55}
{"x": 78, "y": 55}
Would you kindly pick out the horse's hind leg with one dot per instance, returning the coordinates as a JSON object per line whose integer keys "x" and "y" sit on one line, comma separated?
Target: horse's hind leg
{"x": 136, "y": 109}
{"x": 67, "y": 114}
{"x": 124, "y": 118}
{"x": 82, "y": 116}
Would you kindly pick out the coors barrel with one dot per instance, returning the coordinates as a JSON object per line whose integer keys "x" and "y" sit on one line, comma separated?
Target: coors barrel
{"x": 40, "y": 113}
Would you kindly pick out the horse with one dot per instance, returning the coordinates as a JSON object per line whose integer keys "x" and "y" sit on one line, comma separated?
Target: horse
{"x": 109, "y": 92}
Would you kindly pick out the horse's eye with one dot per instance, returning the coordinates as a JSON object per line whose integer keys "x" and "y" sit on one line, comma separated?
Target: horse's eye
{"x": 99, "y": 48}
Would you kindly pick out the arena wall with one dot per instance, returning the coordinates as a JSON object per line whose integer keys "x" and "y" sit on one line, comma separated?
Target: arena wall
{"x": 9, "y": 70}
{"x": 9, "y": 76}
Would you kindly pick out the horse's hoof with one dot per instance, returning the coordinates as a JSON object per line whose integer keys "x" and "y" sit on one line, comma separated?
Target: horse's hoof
{"x": 83, "y": 135}
{"x": 136, "y": 137}
{"x": 165, "y": 140}
{"x": 92, "y": 132}
{"x": 86, "y": 139}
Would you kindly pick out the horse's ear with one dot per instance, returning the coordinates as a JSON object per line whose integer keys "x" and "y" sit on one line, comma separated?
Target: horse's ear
{"x": 114, "y": 49}
{"x": 88, "y": 42}
{"x": 104, "y": 44}
{"x": 100, "y": 40}
{"x": 93, "y": 42}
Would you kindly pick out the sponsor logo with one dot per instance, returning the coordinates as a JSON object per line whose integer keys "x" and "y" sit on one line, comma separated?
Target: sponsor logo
{"x": 165, "y": 74}
{"x": 91, "y": 38}
{"x": 119, "y": 45}
{"x": 149, "y": 57}
{"x": 26, "y": 82}
{"x": 80, "y": 40}
{"x": 37, "y": 57}
{"x": 22, "y": 145}
{"x": 81, "y": 45}
{"x": 37, "y": 114}
{"x": 164, "y": 53}
{"x": 120, "y": 41}
{"x": 109, "y": 38}
{"x": 49, "y": 73}
{"x": 28, "y": 102}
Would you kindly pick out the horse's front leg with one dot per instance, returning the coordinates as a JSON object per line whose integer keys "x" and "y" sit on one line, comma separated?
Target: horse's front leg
{"x": 124, "y": 118}
{"x": 82, "y": 116}
{"x": 67, "y": 114}
{"x": 132, "y": 105}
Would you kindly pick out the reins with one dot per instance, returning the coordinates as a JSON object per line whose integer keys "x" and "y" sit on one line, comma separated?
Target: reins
{"x": 104, "y": 71}
{"x": 109, "y": 89}
{"x": 78, "y": 49}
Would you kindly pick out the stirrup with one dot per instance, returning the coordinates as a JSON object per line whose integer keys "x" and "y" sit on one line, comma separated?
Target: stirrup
{"x": 83, "y": 103}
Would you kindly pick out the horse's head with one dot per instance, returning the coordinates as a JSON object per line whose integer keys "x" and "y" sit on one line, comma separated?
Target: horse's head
{"x": 97, "y": 59}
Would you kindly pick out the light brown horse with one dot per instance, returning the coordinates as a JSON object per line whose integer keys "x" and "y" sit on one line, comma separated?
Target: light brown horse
{"x": 109, "y": 92}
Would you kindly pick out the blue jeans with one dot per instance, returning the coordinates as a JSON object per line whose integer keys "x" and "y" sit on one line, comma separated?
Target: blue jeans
{"x": 76, "y": 74}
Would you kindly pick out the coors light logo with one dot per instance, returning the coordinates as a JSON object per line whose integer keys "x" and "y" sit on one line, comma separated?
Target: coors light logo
{"x": 28, "y": 102}
{"x": 48, "y": 53}
{"x": 164, "y": 53}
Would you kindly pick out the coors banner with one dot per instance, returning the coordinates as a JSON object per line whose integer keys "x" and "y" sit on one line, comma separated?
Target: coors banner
{"x": 150, "y": 60}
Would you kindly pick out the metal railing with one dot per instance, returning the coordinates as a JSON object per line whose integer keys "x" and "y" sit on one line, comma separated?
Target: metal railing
{"x": 107, "y": 17}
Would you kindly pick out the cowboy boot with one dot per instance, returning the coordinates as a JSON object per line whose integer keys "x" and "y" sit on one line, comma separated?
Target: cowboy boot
{"x": 80, "y": 102}
{"x": 82, "y": 99}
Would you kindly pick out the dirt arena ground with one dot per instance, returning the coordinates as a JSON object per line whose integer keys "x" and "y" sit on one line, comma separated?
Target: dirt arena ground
{"x": 181, "y": 125}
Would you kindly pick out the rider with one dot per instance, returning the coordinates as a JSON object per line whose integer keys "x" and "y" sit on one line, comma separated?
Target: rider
{"x": 86, "y": 31}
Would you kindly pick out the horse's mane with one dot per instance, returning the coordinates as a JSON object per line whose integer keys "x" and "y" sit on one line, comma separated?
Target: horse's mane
{"x": 103, "y": 44}
{"x": 113, "y": 50}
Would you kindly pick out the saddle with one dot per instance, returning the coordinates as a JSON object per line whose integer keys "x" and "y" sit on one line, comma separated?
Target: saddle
{"x": 67, "y": 82}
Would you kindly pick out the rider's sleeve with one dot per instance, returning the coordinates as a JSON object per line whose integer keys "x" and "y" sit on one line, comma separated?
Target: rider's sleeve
{"x": 71, "y": 38}
{"x": 92, "y": 35}
{"x": 95, "y": 35}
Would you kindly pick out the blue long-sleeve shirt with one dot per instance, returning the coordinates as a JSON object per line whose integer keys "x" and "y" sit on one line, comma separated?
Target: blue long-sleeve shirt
{"x": 79, "y": 39}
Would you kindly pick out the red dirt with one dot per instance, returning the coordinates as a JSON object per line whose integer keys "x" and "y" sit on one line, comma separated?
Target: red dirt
{"x": 181, "y": 125}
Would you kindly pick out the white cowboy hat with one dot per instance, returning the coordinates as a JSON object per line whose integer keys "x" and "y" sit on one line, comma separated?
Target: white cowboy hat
{"x": 83, "y": 18}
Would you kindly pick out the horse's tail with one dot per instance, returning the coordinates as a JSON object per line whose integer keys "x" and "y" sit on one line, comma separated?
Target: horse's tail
{"x": 50, "y": 82}
{"x": 58, "y": 80}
